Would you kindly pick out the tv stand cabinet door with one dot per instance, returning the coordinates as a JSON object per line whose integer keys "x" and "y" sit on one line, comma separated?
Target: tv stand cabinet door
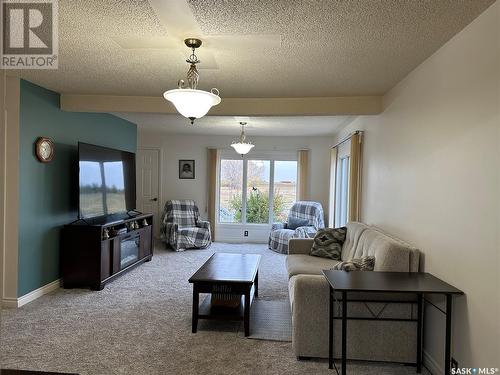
{"x": 146, "y": 244}
{"x": 106, "y": 248}
{"x": 116, "y": 255}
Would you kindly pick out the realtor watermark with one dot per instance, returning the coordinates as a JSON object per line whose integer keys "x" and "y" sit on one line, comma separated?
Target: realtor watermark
{"x": 30, "y": 37}
{"x": 475, "y": 370}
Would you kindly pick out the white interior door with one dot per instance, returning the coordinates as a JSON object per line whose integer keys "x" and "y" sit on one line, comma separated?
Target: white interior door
{"x": 148, "y": 188}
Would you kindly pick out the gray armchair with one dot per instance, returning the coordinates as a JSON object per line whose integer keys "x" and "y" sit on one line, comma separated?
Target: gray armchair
{"x": 309, "y": 216}
{"x": 181, "y": 227}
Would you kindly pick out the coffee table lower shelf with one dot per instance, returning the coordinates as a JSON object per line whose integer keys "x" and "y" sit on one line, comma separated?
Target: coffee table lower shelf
{"x": 207, "y": 311}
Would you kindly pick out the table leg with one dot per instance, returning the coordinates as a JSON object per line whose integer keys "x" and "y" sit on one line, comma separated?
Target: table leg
{"x": 196, "y": 303}
{"x": 330, "y": 331}
{"x": 420, "y": 318}
{"x": 447, "y": 352}
{"x": 344, "y": 332}
{"x": 256, "y": 283}
{"x": 247, "y": 312}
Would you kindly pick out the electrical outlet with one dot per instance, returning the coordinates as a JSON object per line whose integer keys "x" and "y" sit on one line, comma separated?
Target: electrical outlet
{"x": 454, "y": 364}
{"x": 245, "y": 233}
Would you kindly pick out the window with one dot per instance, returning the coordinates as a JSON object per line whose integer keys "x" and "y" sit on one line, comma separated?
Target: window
{"x": 247, "y": 188}
{"x": 285, "y": 189}
{"x": 230, "y": 192}
{"x": 345, "y": 181}
{"x": 257, "y": 200}
{"x": 342, "y": 191}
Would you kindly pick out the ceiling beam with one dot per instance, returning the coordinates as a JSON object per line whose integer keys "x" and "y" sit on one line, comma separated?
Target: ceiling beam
{"x": 318, "y": 106}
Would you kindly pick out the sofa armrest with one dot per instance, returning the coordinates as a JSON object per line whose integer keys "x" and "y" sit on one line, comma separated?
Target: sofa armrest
{"x": 203, "y": 224}
{"x": 309, "y": 295}
{"x": 278, "y": 226}
{"x": 299, "y": 245}
{"x": 169, "y": 233}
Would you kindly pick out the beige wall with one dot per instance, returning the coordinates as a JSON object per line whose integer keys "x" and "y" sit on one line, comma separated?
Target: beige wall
{"x": 431, "y": 176}
{"x": 9, "y": 148}
{"x": 175, "y": 147}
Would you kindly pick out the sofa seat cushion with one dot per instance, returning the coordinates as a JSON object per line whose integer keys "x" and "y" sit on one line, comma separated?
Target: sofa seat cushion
{"x": 297, "y": 264}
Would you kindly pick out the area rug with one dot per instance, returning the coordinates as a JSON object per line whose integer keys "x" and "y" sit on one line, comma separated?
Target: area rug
{"x": 270, "y": 320}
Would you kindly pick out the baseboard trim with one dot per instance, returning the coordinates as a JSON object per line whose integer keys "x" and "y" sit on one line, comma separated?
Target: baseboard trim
{"x": 9, "y": 303}
{"x": 31, "y": 296}
{"x": 240, "y": 240}
{"x": 431, "y": 364}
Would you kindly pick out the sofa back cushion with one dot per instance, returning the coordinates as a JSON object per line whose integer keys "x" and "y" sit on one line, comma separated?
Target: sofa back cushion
{"x": 414, "y": 252}
{"x": 183, "y": 212}
{"x": 312, "y": 211}
{"x": 390, "y": 254}
{"x": 354, "y": 230}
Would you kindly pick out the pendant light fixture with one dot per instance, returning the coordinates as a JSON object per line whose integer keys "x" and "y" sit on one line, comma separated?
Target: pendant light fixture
{"x": 242, "y": 146}
{"x": 189, "y": 101}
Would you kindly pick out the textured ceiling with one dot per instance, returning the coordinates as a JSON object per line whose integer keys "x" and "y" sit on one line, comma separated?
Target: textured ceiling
{"x": 228, "y": 125}
{"x": 328, "y": 48}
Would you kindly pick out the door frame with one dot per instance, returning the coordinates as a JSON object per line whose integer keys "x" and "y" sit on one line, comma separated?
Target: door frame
{"x": 160, "y": 179}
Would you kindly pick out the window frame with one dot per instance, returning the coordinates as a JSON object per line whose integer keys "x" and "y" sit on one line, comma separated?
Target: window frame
{"x": 271, "y": 156}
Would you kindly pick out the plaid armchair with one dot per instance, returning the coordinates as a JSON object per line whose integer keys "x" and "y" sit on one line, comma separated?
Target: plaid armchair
{"x": 181, "y": 227}
{"x": 280, "y": 233}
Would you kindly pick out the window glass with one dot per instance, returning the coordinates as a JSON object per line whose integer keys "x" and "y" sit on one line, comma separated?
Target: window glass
{"x": 257, "y": 204}
{"x": 342, "y": 192}
{"x": 230, "y": 193}
{"x": 245, "y": 187}
{"x": 285, "y": 189}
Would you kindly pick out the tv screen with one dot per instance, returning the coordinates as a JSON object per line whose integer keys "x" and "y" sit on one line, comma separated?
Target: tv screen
{"x": 106, "y": 180}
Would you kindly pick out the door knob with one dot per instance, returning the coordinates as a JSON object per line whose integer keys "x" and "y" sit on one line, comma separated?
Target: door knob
{"x": 154, "y": 199}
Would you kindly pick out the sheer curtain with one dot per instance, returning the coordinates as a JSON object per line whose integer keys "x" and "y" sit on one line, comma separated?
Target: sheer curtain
{"x": 355, "y": 178}
{"x": 213, "y": 156}
{"x": 345, "y": 181}
{"x": 303, "y": 175}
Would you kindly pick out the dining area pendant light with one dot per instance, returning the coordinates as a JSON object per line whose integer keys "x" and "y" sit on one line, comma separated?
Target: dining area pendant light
{"x": 187, "y": 99}
{"x": 242, "y": 146}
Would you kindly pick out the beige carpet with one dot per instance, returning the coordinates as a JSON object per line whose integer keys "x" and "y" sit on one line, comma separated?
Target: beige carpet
{"x": 141, "y": 324}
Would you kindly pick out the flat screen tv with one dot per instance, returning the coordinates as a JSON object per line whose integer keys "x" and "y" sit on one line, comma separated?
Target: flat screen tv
{"x": 106, "y": 181}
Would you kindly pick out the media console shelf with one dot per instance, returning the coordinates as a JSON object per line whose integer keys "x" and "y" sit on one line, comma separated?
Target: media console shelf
{"x": 94, "y": 254}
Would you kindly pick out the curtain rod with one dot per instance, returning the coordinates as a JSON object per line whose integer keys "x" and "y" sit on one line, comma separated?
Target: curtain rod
{"x": 347, "y": 138}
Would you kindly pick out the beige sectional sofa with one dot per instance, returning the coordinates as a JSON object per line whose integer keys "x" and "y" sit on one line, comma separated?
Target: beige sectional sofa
{"x": 393, "y": 341}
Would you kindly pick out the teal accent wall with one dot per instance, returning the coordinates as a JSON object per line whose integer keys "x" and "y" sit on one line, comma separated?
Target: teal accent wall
{"x": 47, "y": 191}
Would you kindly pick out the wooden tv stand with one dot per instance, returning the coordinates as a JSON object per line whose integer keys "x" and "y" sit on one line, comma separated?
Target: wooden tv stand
{"x": 90, "y": 259}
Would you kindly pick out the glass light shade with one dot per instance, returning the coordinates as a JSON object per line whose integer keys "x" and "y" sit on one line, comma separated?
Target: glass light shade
{"x": 192, "y": 103}
{"x": 242, "y": 148}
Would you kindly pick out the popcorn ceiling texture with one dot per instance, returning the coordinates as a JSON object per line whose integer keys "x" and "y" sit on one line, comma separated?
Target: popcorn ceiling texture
{"x": 329, "y": 48}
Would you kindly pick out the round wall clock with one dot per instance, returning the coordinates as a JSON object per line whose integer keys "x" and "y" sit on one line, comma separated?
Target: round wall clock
{"x": 44, "y": 149}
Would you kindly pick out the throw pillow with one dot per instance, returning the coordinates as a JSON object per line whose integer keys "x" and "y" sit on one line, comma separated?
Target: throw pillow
{"x": 357, "y": 264}
{"x": 294, "y": 223}
{"x": 328, "y": 243}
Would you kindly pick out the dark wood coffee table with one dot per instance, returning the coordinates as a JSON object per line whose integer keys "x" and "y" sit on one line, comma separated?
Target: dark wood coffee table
{"x": 236, "y": 274}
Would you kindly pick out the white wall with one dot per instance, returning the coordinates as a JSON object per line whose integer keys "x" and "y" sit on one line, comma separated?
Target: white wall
{"x": 175, "y": 147}
{"x": 431, "y": 176}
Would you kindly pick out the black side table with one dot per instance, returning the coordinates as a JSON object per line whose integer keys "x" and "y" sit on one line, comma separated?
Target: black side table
{"x": 418, "y": 283}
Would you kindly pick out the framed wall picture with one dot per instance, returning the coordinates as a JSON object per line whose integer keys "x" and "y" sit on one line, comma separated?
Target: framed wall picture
{"x": 186, "y": 169}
